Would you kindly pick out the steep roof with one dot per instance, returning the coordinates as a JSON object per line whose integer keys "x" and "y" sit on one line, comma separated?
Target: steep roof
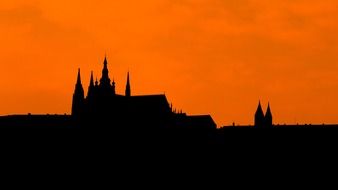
{"x": 259, "y": 112}
{"x": 150, "y": 103}
{"x": 201, "y": 121}
{"x": 268, "y": 112}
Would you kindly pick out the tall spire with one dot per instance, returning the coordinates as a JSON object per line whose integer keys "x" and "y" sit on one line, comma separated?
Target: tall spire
{"x": 91, "y": 86}
{"x": 78, "y": 77}
{"x": 268, "y": 111}
{"x": 105, "y": 62}
{"x": 259, "y": 116}
{"x": 268, "y": 117}
{"x": 259, "y": 110}
{"x": 128, "y": 91}
{"x": 105, "y": 80}
{"x": 91, "y": 83}
{"x": 78, "y": 97}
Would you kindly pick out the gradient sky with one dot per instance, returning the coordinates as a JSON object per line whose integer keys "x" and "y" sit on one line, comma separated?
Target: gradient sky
{"x": 207, "y": 56}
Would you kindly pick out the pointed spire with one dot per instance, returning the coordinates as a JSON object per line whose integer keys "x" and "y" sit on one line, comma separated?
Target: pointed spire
{"x": 128, "y": 91}
{"x": 78, "y": 97}
{"x": 268, "y": 117}
{"x": 105, "y": 62}
{"x": 105, "y": 80}
{"x": 91, "y": 87}
{"x": 268, "y": 111}
{"x": 259, "y": 116}
{"x": 259, "y": 109}
{"x": 91, "y": 79}
{"x": 78, "y": 77}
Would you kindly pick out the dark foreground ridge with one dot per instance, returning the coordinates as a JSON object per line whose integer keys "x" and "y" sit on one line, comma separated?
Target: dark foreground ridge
{"x": 65, "y": 129}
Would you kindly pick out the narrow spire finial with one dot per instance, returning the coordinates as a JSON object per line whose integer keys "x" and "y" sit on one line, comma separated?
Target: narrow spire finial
{"x": 268, "y": 110}
{"x": 79, "y": 76}
{"x": 259, "y": 109}
{"x": 268, "y": 117}
{"x": 105, "y": 62}
{"x": 105, "y": 80}
{"x": 91, "y": 79}
{"x": 128, "y": 90}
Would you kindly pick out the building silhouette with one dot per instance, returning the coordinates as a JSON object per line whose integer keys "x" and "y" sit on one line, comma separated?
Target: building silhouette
{"x": 131, "y": 119}
{"x": 103, "y": 107}
{"x": 261, "y": 120}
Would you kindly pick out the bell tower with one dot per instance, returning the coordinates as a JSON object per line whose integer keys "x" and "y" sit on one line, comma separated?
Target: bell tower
{"x": 105, "y": 80}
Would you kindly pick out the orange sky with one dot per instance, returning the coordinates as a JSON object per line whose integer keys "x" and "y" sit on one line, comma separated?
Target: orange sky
{"x": 208, "y": 56}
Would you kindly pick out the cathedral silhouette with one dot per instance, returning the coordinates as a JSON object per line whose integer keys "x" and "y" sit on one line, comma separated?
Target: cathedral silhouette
{"x": 261, "y": 120}
{"x": 103, "y": 107}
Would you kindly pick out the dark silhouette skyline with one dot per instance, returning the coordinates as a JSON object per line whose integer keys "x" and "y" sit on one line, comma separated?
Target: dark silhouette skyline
{"x": 130, "y": 118}
{"x": 136, "y": 119}
{"x": 263, "y": 120}
{"x": 104, "y": 107}
{"x": 228, "y": 58}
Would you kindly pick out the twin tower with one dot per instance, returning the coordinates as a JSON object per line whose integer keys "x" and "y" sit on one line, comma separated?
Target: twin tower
{"x": 261, "y": 120}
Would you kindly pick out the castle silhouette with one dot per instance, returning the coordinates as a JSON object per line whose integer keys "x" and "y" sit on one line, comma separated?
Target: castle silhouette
{"x": 142, "y": 117}
{"x": 103, "y": 107}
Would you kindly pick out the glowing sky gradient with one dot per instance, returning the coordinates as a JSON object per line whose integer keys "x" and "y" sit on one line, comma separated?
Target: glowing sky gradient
{"x": 207, "y": 56}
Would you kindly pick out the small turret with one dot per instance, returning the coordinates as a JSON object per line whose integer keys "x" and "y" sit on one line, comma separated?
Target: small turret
{"x": 96, "y": 82}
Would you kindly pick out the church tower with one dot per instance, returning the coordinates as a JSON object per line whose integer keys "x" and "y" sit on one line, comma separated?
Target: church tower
{"x": 78, "y": 97}
{"x": 259, "y": 117}
{"x": 128, "y": 91}
{"x": 105, "y": 80}
{"x": 268, "y": 117}
{"x": 91, "y": 88}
